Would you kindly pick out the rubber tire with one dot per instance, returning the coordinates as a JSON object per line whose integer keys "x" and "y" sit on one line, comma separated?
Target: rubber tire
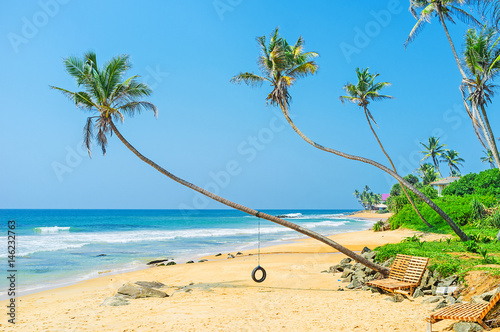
{"x": 263, "y": 274}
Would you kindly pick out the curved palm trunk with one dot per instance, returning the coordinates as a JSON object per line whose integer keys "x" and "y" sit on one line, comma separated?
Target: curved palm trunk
{"x": 436, "y": 163}
{"x": 429, "y": 202}
{"x": 394, "y": 168}
{"x": 491, "y": 142}
{"x": 383, "y": 270}
{"x": 492, "y": 137}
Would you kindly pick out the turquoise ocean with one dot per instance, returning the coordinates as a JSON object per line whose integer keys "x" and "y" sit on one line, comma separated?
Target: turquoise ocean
{"x": 61, "y": 247}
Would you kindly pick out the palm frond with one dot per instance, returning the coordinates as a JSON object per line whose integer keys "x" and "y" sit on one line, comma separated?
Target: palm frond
{"x": 417, "y": 28}
{"x": 134, "y": 107}
{"x": 115, "y": 69}
{"x": 303, "y": 70}
{"x": 87, "y": 136}
{"x": 249, "y": 79}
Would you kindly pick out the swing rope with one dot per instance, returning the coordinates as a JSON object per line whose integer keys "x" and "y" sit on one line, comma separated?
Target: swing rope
{"x": 258, "y": 251}
{"x": 258, "y": 268}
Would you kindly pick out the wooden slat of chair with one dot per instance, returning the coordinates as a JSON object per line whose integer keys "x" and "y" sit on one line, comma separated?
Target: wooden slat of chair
{"x": 469, "y": 312}
{"x": 406, "y": 272}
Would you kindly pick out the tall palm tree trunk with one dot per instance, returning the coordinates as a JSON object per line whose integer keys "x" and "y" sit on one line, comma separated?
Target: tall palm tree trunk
{"x": 490, "y": 134}
{"x": 436, "y": 163}
{"x": 491, "y": 142}
{"x": 383, "y": 270}
{"x": 429, "y": 202}
{"x": 394, "y": 168}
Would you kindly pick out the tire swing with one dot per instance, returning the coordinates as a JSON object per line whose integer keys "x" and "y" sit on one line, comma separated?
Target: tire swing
{"x": 259, "y": 268}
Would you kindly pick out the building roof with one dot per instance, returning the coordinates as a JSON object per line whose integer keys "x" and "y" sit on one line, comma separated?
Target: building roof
{"x": 381, "y": 206}
{"x": 445, "y": 181}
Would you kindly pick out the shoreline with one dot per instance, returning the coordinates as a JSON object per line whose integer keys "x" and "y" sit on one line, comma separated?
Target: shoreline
{"x": 69, "y": 281}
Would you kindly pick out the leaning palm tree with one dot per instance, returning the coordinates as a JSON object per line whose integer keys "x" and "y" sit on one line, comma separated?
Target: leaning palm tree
{"x": 361, "y": 94}
{"x": 482, "y": 55}
{"x": 433, "y": 150}
{"x": 108, "y": 97}
{"x": 447, "y": 10}
{"x": 454, "y": 162}
{"x": 488, "y": 158}
{"x": 281, "y": 65}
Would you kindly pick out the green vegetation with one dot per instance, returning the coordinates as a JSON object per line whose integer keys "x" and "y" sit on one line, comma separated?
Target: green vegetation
{"x": 368, "y": 199}
{"x": 460, "y": 209}
{"x": 450, "y": 256}
{"x": 397, "y": 201}
{"x": 483, "y": 184}
{"x": 474, "y": 203}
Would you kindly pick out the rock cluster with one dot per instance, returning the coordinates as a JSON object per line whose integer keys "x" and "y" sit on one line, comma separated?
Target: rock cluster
{"x": 139, "y": 289}
{"x": 355, "y": 274}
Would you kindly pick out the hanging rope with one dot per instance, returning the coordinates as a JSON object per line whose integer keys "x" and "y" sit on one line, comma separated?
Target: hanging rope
{"x": 258, "y": 268}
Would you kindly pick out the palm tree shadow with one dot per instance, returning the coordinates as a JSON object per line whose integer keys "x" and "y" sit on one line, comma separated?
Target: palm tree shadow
{"x": 209, "y": 287}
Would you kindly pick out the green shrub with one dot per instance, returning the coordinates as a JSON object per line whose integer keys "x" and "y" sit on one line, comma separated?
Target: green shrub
{"x": 471, "y": 246}
{"x": 377, "y": 227}
{"x": 446, "y": 268}
{"x": 485, "y": 183}
{"x": 478, "y": 209}
{"x": 494, "y": 220}
{"x": 457, "y": 207}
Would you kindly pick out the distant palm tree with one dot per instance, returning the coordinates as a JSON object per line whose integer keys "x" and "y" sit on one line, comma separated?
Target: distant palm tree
{"x": 428, "y": 173}
{"x": 281, "y": 64}
{"x": 447, "y": 10}
{"x": 453, "y": 160}
{"x": 488, "y": 158}
{"x": 109, "y": 97}
{"x": 482, "y": 55}
{"x": 362, "y": 93}
{"x": 434, "y": 150}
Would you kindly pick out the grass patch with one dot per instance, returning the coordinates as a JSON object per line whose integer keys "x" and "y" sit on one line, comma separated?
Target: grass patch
{"x": 450, "y": 256}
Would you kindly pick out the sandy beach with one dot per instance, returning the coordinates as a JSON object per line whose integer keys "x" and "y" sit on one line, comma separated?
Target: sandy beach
{"x": 219, "y": 295}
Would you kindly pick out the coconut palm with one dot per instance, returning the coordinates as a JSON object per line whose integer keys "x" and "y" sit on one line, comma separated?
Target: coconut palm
{"x": 482, "y": 55}
{"x": 434, "y": 150}
{"x": 281, "y": 65}
{"x": 447, "y": 10}
{"x": 108, "y": 97}
{"x": 428, "y": 173}
{"x": 488, "y": 158}
{"x": 451, "y": 158}
{"x": 362, "y": 93}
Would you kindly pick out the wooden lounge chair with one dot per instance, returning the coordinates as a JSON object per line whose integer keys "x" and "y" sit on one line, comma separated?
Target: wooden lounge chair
{"x": 468, "y": 312}
{"x": 406, "y": 272}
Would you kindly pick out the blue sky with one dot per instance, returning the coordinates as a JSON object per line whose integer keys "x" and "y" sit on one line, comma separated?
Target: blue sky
{"x": 209, "y": 131}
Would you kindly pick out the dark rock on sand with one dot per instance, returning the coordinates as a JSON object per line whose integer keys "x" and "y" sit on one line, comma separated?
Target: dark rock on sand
{"x": 150, "y": 284}
{"x": 136, "y": 291}
{"x": 365, "y": 249}
{"x": 219, "y": 254}
{"x": 441, "y": 305}
{"x": 467, "y": 327}
{"x": 418, "y": 292}
{"x": 229, "y": 256}
{"x": 396, "y": 298}
{"x": 171, "y": 263}
{"x": 202, "y": 260}
{"x": 156, "y": 261}
{"x": 189, "y": 262}
{"x": 115, "y": 301}
{"x": 239, "y": 253}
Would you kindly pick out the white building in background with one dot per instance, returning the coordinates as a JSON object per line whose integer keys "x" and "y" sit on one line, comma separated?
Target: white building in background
{"x": 443, "y": 183}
